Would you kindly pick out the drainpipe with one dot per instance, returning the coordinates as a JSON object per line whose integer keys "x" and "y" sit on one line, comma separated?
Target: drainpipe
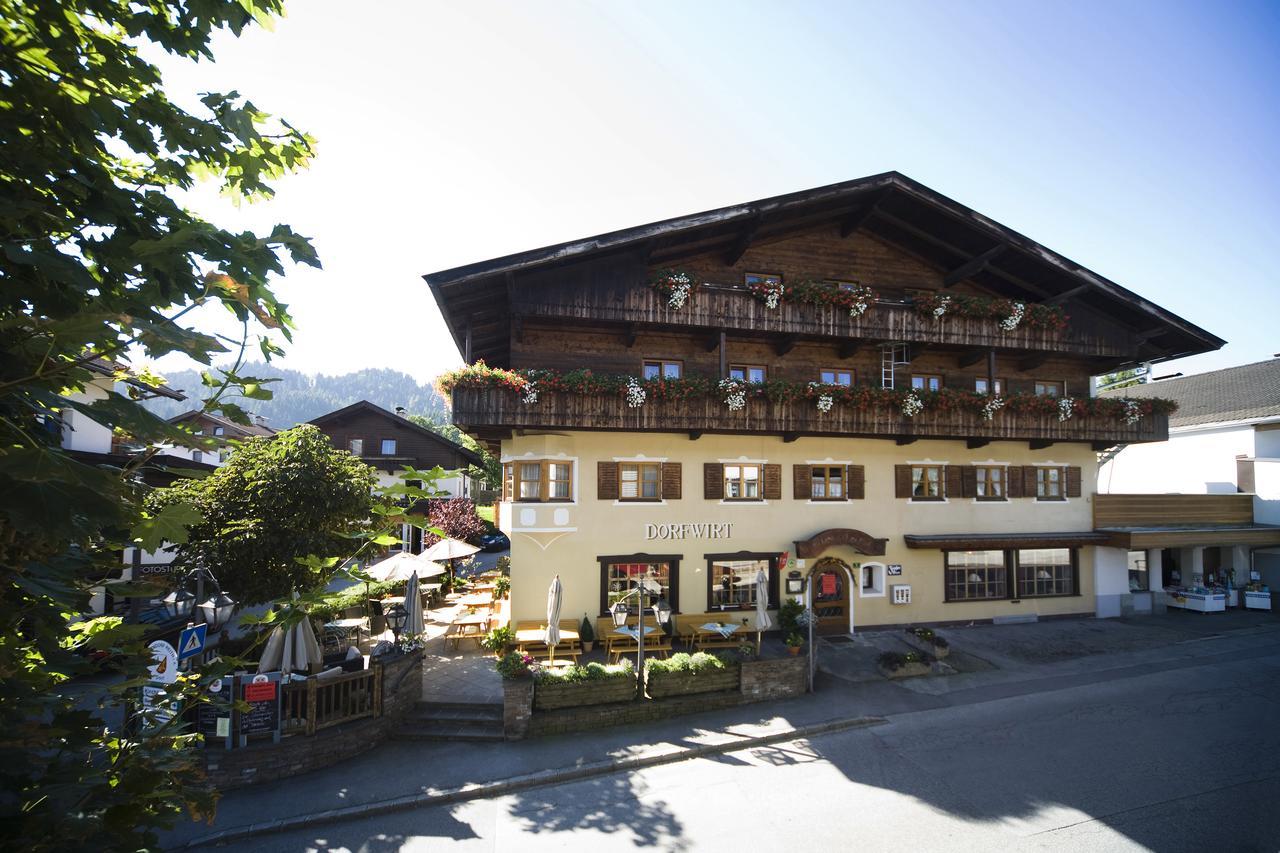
{"x": 813, "y": 655}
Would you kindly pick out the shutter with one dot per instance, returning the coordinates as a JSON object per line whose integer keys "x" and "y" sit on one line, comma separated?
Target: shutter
{"x": 1029, "y": 481}
{"x": 802, "y": 477}
{"x": 902, "y": 481}
{"x": 1072, "y": 476}
{"x": 1013, "y": 481}
{"x": 671, "y": 481}
{"x": 969, "y": 482}
{"x": 607, "y": 481}
{"x": 856, "y": 482}
{"x": 713, "y": 481}
{"x": 954, "y": 481}
{"x": 773, "y": 482}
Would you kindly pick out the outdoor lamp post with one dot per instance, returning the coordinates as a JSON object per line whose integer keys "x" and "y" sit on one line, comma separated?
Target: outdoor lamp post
{"x": 396, "y": 618}
{"x": 620, "y": 613}
{"x": 178, "y": 603}
{"x": 181, "y": 602}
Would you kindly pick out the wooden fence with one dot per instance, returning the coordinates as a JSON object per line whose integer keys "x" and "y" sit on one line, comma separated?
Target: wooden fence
{"x": 317, "y": 703}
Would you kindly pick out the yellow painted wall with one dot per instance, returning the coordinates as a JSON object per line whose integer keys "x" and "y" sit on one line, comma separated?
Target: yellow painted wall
{"x": 565, "y": 539}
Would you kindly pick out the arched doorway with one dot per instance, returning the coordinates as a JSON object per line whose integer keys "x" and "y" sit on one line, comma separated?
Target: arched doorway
{"x": 831, "y": 586}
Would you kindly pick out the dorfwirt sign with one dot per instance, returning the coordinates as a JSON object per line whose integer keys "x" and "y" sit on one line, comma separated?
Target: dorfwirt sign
{"x": 689, "y": 530}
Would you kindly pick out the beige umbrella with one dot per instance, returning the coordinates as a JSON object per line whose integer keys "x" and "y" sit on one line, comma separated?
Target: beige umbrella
{"x": 413, "y": 604}
{"x": 763, "y": 622}
{"x": 295, "y": 649}
{"x": 449, "y": 549}
{"x": 555, "y": 596}
{"x": 398, "y": 567}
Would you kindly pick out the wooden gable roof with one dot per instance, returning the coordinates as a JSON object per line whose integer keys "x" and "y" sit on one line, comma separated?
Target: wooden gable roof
{"x": 965, "y": 245}
{"x": 364, "y": 407}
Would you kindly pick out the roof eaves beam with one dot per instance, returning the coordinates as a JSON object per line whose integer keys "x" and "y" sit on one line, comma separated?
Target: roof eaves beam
{"x": 975, "y": 266}
{"x": 743, "y": 242}
{"x": 1068, "y": 294}
{"x": 854, "y": 221}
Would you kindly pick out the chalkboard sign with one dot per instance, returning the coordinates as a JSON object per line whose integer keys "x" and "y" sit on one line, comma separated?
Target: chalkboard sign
{"x": 262, "y": 693}
{"x": 219, "y": 708}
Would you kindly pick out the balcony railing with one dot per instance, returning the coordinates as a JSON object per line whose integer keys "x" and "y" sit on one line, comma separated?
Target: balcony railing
{"x": 732, "y": 307}
{"x": 479, "y": 408}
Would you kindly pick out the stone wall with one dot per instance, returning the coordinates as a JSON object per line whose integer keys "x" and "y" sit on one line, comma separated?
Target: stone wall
{"x": 760, "y": 681}
{"x": 264, "y": 761}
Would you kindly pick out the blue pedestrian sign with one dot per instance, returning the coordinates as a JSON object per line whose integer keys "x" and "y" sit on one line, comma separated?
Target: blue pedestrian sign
{"x": 191, "y": 643}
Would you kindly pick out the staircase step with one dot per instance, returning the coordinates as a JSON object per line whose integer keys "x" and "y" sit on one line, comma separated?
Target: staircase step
{"x": 456, "y": 711}
{"x": 459, "y": 730}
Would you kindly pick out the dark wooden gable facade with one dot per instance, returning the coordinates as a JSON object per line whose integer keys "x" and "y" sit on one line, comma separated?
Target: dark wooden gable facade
{"x": 372, "y": 425}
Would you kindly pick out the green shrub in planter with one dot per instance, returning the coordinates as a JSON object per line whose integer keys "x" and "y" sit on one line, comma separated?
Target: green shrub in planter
{"x": 683, "y": 673}
{"x": 685, "y": 662}
{"x": 515, "y": 665}
{"x": 502, "y": 587}
{"x": 586, "y": 634}
{"x": 892, "y": 661}
{"x": 498, "y": 639}
{"x": 577, "y": 674}
{"x": 789, "y": 616}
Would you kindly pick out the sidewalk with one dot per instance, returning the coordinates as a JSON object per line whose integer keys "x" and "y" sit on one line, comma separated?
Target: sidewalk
{"x": 397, "y": 770}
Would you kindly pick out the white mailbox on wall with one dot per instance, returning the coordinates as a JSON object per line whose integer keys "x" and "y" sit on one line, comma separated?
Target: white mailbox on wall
{"x": 900, "y": 593}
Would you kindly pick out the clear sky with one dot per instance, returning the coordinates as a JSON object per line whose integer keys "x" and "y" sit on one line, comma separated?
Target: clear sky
{"x": 1140, "y": 139}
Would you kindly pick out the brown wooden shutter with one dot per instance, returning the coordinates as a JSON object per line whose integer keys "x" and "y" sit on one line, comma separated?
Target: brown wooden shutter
{"x": 607, "y": 481}
{"x": 802, "y": 477}
{"x": 1013, "y": 481}
{"x": 671, "y": 481}
{"x": 969, "y": 482}
{"x": 1073, "y": 478}
{"x": 902, "y": 481}
{"x": 1029, "y": 480}
{"x": 955, "y": 481}
{"x": 856, "y": 482}
{"x": 773, "y": 482}
{"x": 713, "y": 481}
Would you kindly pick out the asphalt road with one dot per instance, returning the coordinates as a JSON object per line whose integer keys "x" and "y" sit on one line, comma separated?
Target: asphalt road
{"x": 1185, "y": 759}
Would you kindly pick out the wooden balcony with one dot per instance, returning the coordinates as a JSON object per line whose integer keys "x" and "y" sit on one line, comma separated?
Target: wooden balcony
{"x": 485, "y": 411}
{"x": 733, "y": 307}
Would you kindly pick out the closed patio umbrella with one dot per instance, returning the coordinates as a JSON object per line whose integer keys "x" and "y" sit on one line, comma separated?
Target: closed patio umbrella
{"x": 555, "y": 596}
{"x": 763, "y": 622}
{"x": 413, "y": 604}
{"x": 288, "y": 651}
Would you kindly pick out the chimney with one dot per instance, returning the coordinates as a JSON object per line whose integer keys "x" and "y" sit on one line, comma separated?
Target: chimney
{"x": 402, "y": 411}
{"x": 259, "y": 420}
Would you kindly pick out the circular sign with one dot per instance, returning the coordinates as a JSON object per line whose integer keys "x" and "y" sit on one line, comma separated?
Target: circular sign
{"x": 165, "y": 668}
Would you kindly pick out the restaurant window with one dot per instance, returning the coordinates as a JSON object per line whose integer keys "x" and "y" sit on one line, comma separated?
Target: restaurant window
{"x": 621, "y": 575}
{"x": 1045, "y": 572}
{"x": 639, "y": 481}
{"x": 747, "y": 372}
{"x": 835, "y": 377}
{"x": 976, "y": 575}
{"x": 1049, "y": 389}
{"x": 1139, "y": 580}
{"x": 388, "y": 447}
{"x": 356, "y": 446}
{"x": 742, "y": 482}
{"x": 543, "y": 481}
{"x": 732, "y": 581}
{"x": 926, "y": 482}
{"x": 926, "y": 382}
{"x": 663, "y": 369}
{"x": 827, "y": 483}
{"x": 989, "y": 482}
{"x": 1049, "y": 484}
{"x": 982, "y": 385}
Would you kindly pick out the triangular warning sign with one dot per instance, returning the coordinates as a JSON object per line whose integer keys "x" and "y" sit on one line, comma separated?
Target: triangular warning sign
{"x": 193, "y": 644}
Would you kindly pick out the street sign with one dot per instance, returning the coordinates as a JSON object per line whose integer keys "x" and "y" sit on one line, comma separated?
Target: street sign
{"x": 155, "y": 711}
{"x": 165, "y": 668}
{"x": 191, "y": 641}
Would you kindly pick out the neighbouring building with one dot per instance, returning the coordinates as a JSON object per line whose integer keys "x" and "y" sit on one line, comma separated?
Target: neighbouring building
{"x": 223, "y": 429}
{"x": 874, "y": 393}
{"x": 389, "y": 441}
{"x": 1216, "y": 506}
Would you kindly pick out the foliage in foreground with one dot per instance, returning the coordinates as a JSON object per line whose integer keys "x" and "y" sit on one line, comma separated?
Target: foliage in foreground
{"x": 594, "y": 671}
{"x": 684, "y": 662}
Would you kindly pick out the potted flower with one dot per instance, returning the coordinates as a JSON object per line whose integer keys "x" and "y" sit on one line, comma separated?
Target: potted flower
{"x": 502, "y": 587}
{"x": 794, "y": 642}
{"x": 498, "y": 639}
{"x": 586, "y": 635}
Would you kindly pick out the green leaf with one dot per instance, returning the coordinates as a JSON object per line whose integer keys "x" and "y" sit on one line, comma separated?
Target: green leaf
{"x": 168, "y": 525}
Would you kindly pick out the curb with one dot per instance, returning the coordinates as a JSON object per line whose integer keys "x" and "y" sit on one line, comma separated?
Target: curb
{"x": 542, "y": 778}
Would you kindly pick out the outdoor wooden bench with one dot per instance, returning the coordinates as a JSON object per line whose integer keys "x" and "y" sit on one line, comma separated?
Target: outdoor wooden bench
{"x": 530, "y": 634}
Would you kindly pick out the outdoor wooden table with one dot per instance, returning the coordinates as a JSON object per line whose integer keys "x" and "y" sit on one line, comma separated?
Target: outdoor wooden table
{"x": 468, "y": 627}
{"x": 345, "y": 628}
{"x": 476, "y": 600}
{"x": 568, "y": 647}
{"x": 715, "y": 635}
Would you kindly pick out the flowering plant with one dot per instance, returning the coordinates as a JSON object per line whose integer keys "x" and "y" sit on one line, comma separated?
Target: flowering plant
{"x": 769, "y": 291}
{"x": 825, "y": 398}
{"x": 635, "y": 394}
{"x": 1066, "y": 408}
{"x": 412, "y": 642}
{"x": 912, "y": 405}
{"x": 676, "y": 287}
{"x": 993, "y": 405}
{"x": 1132, "y": 411}
{"x": 1017, "y": 311}
{"x": 516, "y": 665}
{"x": 735, "y": 392}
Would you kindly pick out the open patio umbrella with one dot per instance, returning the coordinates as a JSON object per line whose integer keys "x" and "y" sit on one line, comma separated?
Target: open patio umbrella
{"x": 763, "y": 622}
{"x": 449, "y": 549}
{"x": 555, "y": 596}
{"x": 413, "y": 604}
{"x": 398, "y": 567}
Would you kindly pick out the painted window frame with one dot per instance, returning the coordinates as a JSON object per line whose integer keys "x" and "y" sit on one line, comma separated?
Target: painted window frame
{"x": 641, "y": 467}
{"x": 662, "y": 364}
{"x": 671, "y": 561}
{"x": 826, "y": 479}
{"x": 1011, "y": 566}
{"x": 940, "y": 481}
{"x": 927, "y": 379}
{"x": 771, "y": 557}
{"x": 742, "y": 481}
{"x": 513, "y": 478}
{"x": 1043, "y": 481}
{"x": 982, "y": 478}
{"x": 837, "y": 372}
{"x": 1072, "y": 577}
{"x": 745, "y": 369}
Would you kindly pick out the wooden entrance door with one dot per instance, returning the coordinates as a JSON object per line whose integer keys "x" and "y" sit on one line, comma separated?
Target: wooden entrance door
{"x": 831, "y": 597}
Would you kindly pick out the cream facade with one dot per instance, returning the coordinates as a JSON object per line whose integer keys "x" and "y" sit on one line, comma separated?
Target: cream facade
{"x": 569, "y": 537}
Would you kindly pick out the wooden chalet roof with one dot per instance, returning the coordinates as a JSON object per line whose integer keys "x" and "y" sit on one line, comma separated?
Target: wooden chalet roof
{"x": 231, "y": 428}
{"x": 402, "y": 422}
{"x": 891, "y": 207}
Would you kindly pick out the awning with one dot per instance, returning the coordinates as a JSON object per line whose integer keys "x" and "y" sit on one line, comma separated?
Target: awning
{"x": 1000, "y": 541}
{"x": 1142, "y": 538}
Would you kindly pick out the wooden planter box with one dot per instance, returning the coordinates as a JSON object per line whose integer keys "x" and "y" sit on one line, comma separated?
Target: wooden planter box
{"x": 939, "y": 652}
{"x": 683, "y": 683}
{"x": 907, "y": 670}
{"x": 548, "y": 697}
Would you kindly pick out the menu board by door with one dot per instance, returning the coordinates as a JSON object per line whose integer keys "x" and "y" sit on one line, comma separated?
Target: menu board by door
{"x": 262, "y": 693}
{"x": 213, "y": 718}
